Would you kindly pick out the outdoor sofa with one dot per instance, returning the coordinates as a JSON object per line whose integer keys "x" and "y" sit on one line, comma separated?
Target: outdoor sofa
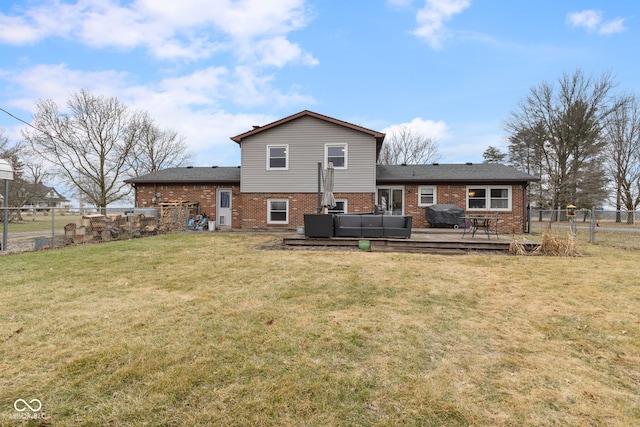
{"x": 372, "y": 225}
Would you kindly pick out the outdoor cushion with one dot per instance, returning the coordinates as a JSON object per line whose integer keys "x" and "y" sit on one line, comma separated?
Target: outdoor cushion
{"x": 394, "y": 221}
{"x": 349, "y": 220}
{"x": 372, "y": 220}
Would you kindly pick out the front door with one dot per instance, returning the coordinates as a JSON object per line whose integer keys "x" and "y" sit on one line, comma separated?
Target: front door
{"x": 390, "y": 200}
{"x": 223, "y": 208}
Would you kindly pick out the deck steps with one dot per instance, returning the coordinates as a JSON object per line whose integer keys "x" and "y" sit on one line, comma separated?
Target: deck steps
{"x": 416, "y": 245}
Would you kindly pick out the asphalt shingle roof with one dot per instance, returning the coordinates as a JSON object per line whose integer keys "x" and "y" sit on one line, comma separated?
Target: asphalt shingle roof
{"x": 190, "y": 175}
{"x": 480, "y": 172}
{"x": 485, "y": 172}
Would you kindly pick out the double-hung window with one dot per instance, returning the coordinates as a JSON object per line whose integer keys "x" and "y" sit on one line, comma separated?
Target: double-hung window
{"x": 341, "y": 207}
{"x": 277, "y": 211}
{"x": 278, "y": 157}
{"x": 490, "y": 198}
{"x": 426, "y": 195}
{"x": 336, "y": 154}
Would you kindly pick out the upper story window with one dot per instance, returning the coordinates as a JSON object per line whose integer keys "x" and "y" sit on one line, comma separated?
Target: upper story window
{"x": 489, "y": 198}
{"x": 426, "y": 196}
{"x": 337, "y": 154}
{"x": 278, "y": 157}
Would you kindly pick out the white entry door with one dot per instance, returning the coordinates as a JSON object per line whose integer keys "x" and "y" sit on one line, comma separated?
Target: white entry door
{"x": 223, "y": 208}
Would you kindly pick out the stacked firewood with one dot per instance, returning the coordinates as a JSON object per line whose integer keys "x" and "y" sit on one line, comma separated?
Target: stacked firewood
{"x": 173, "y": 218}
{"x": 101, "y": 228}
{"x": 175, "y": 215}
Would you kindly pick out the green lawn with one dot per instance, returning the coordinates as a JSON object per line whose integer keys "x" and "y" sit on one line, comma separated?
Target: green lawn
{"x": 209, "y": 329}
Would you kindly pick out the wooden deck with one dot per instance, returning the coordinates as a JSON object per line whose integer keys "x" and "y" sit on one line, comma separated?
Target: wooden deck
{"x": 443, "y": 241}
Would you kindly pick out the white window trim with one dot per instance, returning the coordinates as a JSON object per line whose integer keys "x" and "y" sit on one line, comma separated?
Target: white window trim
{"x": 435, "y": 195}
{"x": 346, "y": 208}
{"x": 286, "y": 158}
{"x": 488, "y": 189}
{"x": 326, "y": 155}
{"x": 269, "y": 221}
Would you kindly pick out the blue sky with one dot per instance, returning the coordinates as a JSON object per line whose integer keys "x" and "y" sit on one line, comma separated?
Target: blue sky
{"x": 210, "y": 69}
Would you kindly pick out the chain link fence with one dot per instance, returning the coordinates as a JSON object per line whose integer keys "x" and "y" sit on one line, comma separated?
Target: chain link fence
{"x": 619, "y": 228}
{"x": 35, "y": 229}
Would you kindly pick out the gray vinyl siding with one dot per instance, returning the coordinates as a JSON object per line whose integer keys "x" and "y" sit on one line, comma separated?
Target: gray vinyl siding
{"x": 306, "y": 138}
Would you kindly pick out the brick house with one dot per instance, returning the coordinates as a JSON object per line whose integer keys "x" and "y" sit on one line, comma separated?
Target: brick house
{"x": 278, "y": 180}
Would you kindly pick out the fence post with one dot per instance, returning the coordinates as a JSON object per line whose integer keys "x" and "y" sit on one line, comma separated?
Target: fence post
{"x": 5, "y": 223}
{"x": 53, "y": 228}
{"x": 592, "y": 226}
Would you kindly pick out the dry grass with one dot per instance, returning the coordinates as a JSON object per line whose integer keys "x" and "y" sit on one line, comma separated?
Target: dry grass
{"x": 555, "y": 246}
{"x": 206, "y": 329}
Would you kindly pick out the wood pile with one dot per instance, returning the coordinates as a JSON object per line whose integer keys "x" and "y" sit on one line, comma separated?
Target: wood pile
{"x": 101, "y": 228}
{"x": 174, "y": 216}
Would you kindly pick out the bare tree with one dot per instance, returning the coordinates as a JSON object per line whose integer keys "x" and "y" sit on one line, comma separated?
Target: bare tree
{"x": 571, "y": 117}
{"x": 622, "y": 133}
{"x": 155, "y": 148}
{"x": 89, "y": 145}
{"x": 11, "y": 153}
{"x": 404, "y": 146}
{"x": 525, "y": 153}
{"x": 20, "y": 190}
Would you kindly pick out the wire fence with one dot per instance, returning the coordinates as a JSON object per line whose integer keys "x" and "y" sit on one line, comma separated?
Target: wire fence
{"x": 48, "y": 228}
{"x": 619, "y": 228}
{"x": 35, "y": 229}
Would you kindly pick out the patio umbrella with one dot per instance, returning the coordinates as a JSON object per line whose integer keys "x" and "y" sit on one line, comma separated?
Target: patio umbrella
{"x": 328, "y": 201}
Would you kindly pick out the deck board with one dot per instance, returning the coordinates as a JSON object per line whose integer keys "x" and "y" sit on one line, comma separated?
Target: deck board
{"x": 421, "y": 241}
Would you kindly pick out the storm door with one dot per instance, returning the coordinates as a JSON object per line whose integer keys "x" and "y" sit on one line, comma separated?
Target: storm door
{"x": 223, "y": 208}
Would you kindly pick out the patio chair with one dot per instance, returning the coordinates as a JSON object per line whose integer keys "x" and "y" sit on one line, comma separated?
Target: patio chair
{"x": 493, "y": 224}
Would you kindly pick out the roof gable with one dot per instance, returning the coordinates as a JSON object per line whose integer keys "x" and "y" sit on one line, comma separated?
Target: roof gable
{"x": 379, "y": 136}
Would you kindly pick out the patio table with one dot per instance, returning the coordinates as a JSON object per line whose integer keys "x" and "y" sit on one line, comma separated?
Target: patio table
{"x": 483, "y": 221}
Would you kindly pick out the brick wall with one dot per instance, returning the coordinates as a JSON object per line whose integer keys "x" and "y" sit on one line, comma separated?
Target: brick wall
{"x": 254, "y": 207}
{"x": 457, "y": 194}
{"x": 204, "y": 194}
{"x": 249, "y": 210}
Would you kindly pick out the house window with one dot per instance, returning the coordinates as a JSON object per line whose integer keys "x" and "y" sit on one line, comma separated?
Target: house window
{"x": 337, "y": 154}
{"x": 426, "y": 196}
{"x": 278, "y": 211}
{"x": 341, "y": 207}
{"x": 278, "y": 157}
{"x": 489, "y": 198}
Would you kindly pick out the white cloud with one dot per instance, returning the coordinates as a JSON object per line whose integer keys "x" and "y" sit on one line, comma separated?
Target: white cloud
{"x": 185, "y": 29}
{"x": 593, "y": 21}
{"x": 612, "y": 27}
{"x": 400, "y": 3}
{"x": 433, "y": 17}
{"x": 57, "y": 82}
{"x": 279, "y": 51}
{"x": 253, "y": 35}
{"x": 15, "y": 30}
{"x": 192, "y": 104}
{"x": 428, "y": 128}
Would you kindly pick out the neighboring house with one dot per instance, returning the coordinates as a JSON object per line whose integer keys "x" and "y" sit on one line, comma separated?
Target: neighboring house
{"x": 47, "y": 197}
{"x": 277, "y": 182}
